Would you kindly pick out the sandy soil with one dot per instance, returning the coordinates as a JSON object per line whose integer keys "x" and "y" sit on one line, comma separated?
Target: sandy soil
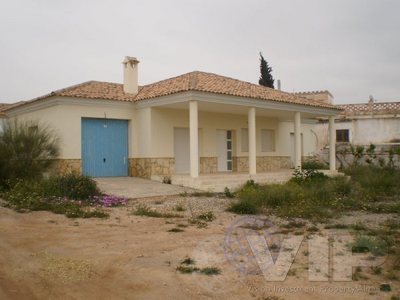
{"x": 48, "y": 256}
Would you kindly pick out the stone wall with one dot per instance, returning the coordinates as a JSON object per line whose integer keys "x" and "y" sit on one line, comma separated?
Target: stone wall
{"x": 65, "y": 166}
{"x": 147, "y": 167}
{"x": 264, "y": 163}
{"x": 208, "y": 165}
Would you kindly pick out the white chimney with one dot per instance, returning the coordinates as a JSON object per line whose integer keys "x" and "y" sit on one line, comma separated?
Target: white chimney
{"x": 131, "y": 75}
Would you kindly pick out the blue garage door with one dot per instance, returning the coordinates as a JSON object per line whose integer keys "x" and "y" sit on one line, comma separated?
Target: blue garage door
{"x": 104, "y": 147}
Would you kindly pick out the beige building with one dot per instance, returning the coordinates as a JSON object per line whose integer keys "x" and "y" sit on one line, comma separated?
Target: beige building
{"x": 196, "y": 123}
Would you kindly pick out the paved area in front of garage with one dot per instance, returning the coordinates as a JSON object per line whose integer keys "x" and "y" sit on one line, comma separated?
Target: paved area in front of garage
{"x": 134, "y": 187}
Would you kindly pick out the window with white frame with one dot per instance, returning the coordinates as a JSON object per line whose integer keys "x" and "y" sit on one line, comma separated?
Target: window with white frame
{"x": 267, "y": 140}
{"x": 245, "y": 140}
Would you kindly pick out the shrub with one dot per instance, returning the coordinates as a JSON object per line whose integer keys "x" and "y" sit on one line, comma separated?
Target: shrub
{"x": 376, "y": 181}
{"x": 313, "y": 164}
{"x": 27, "y": 149}
{"x": 180, "y": 207}
{"x": 73, "y": 186}
{"x": 303, "y": 176}
{"x": 244, "y": 208}
{"x": 374, "y": 245}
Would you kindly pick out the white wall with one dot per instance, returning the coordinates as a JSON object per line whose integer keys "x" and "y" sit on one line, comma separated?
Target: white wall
{"x": 363, "y": 131}
{"x": 66, "y": 121}
{"x": 309, "y": 138}
{"x": 376, "y": 131}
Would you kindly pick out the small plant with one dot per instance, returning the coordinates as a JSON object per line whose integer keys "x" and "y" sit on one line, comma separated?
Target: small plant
{"x": 187, "y": 266}
{"x": 110, "y": 200}
{"x": 187, "y": 269}
{"x": 166, "y": 180}
{"x": 207, "y": 216}
{"x": 307, "y": 175}
{"x": 188, "y": 261}
{"x": 183, "y": 194}
{"x": 180, "y": 207}
{"x": 176, "y": 230}
{"x": 198, "y": 223}
{"x": 209, "y": 271}
{"x": 228, "y": 193}
{"x": 143, "y": 210}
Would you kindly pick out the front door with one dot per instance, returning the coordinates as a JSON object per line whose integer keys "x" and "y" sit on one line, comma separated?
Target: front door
{"x": 224, "y": 150}
{"x": 182, "y": 150}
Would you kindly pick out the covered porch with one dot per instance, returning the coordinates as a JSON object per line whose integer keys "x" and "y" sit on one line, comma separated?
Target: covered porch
{"x": 296, "y": 115}
{"x": 200, "y": 119}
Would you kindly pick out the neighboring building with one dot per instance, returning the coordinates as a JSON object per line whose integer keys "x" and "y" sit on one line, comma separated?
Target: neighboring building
{"x": 194, "y": 123}
{"x": 362, "y": 124}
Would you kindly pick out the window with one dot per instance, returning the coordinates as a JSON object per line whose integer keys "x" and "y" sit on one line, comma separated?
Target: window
{"x": 245, "y": 140}
{"x": 267, "y": 140}
{"x": 229, "y": 150}
{"x": 342, "y": 136}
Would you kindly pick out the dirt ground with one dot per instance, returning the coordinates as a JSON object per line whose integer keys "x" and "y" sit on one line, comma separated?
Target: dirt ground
{"x": 48, "y": 256}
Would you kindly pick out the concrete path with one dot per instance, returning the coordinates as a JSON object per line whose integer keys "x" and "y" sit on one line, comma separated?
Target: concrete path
{"x": 133, "y": 187}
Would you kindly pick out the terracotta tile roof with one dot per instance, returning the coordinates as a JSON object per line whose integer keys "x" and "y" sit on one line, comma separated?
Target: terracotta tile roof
{"x": 193, "y": 81}
{"x": 213, "y": 83}
{"x": 5, "y": 106}
{"x": 370, "y": 108}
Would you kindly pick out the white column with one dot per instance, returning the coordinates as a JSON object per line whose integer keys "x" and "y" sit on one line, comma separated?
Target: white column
{"x": 297, "y": 140}
{"x": 332, "y": 144}
{"x": 194, "y": 139}
{"x": 252, "y": 141}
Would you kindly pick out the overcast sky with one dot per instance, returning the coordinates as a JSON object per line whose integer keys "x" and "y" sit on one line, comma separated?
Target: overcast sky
{"x": 349, "y": 47}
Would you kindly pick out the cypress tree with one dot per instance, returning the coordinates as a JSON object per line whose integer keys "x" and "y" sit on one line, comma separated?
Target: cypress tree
{"x": 266, "y": 78}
